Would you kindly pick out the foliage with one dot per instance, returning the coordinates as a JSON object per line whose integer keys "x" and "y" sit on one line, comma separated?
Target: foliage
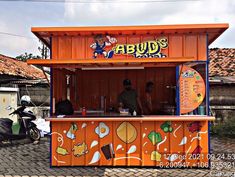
{"x": 24, "y": 57}
{"x": 226, "y": 129}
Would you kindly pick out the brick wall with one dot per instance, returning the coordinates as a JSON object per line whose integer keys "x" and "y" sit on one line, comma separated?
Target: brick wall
{"x": 40, "y": 95}
{"x": 222, "y": 101}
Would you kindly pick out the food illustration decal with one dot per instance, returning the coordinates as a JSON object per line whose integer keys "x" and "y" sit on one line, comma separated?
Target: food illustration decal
{"x": 194, "y": 127}
{"x": 132, "y": 149}
{"x": 155, "y": 137}
{"x": 128, "y": 147}
{"x": 61, "y": 151}
{"x": 94, "y": 143}
{"x": 80, "y": 149}
{"x": 166, "y": 127}
{"x": 72, "y": 130}
{"x": 95, "y": 158}
{"x": 156, "y": 156}
{"x": 102, "y": 130}
{"x": 197, "y": 150}
{"x": 108, "y": 151}
{"x": 183, "y": 141}
{"x": 127, "y": 132}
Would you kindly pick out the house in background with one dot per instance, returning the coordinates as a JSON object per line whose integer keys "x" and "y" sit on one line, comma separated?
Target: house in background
{"x": 12, "y": 69}
{"x": 30, "y": 80}
{"x": 222, "y": 83}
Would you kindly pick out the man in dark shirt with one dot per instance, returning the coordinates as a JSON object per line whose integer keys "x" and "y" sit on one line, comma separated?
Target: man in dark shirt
{"x": 64, "y": 107}
{"x": 129, "y": 99}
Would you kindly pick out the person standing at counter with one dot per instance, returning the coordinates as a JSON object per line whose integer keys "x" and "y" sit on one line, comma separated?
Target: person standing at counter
{"x": 64, "y": 107}
{"x": 128, "y": 98}
{"x": 148, "y": 107}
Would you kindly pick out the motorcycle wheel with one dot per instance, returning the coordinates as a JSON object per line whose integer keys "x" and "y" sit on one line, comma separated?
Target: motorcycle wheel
{"x": 34, "y": 134}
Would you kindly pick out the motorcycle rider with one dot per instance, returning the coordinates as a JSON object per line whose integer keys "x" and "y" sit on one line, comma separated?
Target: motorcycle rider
{"x": 27, "y": 127}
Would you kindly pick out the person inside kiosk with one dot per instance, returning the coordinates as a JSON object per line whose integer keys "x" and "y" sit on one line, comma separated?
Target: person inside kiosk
{"x": 147, "y": 100}
{"x": 129, "y": 100}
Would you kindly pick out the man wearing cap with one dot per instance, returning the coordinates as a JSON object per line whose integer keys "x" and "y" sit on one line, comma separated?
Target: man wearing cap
{"x": 128, "y": 98}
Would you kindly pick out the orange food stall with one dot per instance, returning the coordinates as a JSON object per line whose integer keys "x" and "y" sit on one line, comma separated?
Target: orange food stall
{"x": 88, "y": 66}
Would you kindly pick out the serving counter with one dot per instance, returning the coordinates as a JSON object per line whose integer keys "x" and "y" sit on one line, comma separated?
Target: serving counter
{"x": 169, "y": 141}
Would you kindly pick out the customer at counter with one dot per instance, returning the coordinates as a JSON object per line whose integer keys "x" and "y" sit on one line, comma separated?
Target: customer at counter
{"x": 64, "y": 107}
{"x": 128, "y": 98}
{"x": 147, "y": 100}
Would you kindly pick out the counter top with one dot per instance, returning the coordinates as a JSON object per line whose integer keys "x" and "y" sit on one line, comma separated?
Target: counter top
{"x": 134, "y": 118}
{"x": 97, "y": 115}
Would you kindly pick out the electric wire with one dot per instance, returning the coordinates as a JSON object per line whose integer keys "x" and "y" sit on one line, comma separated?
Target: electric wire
{"x": 104, "y": 1}
{"x": 16, "y": 35}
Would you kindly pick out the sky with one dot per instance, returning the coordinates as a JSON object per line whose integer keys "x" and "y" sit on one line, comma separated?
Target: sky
{"x": 18, "y": 18}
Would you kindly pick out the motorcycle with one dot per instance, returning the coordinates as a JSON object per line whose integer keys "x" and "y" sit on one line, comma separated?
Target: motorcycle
{"x": 28, "y": 129}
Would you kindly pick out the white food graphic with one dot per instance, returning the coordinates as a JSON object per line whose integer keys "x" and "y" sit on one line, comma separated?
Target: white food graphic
{"x": 118, "y": 147}
{"x": 196, "y": 137}
{"x": 202, "y": 132}
{"x": 158, "y": 145}
{"x": 145, "y": 144}
{"x": 84, "y": 125}
{"x": 95, "y": 158}
{"x": 132, "y": 149}
{"x": 94, "y": 143}
{"x": 144, "y": 134}
{"x": 176, "y": 130}
{"x": 183, "y": 141}
{"x": 188, "y": 150}
{"x": 172, "y": 157}
{"x": 102, "y": 130}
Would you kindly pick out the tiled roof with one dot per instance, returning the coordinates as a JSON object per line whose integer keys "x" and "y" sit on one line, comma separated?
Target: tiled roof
{"x": 29, "y": 81}
{"x": 14, "y": 67}
{"x": 222, "y": 62}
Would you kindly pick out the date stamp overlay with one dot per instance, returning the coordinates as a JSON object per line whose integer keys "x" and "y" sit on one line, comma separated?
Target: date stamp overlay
{"x": 220, "y": 164}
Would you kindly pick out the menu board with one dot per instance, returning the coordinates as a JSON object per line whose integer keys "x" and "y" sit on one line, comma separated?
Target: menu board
{"x": 191, "y": 88}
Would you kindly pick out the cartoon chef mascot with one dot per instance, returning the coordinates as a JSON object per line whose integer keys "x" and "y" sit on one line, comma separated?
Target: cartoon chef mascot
{"x": 100, "y": 44}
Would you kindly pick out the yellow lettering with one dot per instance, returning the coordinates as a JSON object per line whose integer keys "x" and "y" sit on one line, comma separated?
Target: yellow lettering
{"x": 153, "y": 47}
{"x": 130, "y": 49}
{"x": 163, "y": 43}
{"x": 141, "y": 48}
{"x": 119, "y": 49}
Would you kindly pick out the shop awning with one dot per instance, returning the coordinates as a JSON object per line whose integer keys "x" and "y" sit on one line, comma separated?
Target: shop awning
{"x": 212, "y": 30}
{"x": 96, "y": 63}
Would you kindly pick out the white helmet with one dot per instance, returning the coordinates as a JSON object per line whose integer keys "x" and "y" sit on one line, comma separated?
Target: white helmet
{"x": 25, "y": 100}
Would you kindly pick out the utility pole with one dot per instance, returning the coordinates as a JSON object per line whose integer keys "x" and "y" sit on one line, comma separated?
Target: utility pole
{"x": 44, "y": 50}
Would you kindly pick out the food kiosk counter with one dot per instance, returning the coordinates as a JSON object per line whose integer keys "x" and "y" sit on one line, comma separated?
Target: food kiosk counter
{"x": 88, "y": 65}
{"x": 170, "y": 141}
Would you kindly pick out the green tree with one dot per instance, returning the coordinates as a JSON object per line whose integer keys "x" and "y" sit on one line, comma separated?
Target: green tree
{"x": 24, "y": 57}
{"x": 43, "y": 49}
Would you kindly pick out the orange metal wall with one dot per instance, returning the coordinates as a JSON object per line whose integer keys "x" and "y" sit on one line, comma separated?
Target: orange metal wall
{"x": 88, "y": 86}
{"x": 78, "y": 47}
{"x": 184, "y": 146}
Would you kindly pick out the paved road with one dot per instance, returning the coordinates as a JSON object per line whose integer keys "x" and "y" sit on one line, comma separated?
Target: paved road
{"x": 16, "y": 159}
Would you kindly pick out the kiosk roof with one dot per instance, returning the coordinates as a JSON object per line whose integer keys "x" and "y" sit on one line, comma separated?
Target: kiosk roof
{"x": 213, "y": 30}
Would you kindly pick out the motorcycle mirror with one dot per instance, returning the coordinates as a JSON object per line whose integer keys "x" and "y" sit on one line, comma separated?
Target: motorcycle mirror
{"x": 8, "y": 108}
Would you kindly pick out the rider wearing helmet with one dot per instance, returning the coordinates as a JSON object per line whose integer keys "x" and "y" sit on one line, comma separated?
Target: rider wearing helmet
{"x": 25, "y": 100}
